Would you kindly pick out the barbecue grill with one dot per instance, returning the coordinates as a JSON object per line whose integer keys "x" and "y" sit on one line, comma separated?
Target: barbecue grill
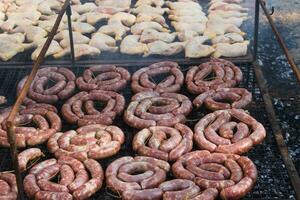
{"x": 276, "y": 179}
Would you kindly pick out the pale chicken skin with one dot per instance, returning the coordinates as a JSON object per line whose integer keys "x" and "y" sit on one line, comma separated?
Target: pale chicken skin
{"x": 126, "y": 19}
{"x": 156, "y": 3}
{"x": 148, "y": 17}
{"x": 79, "y": 50}
{"x": 195, "y": 48}
{"x": 64, "y": 39}
{"x": 163, "y": 48}
{"x": 149, "y": 9}
{"x": 231, "y": 50}
{"x": 228, "y": 38}
{"x": 138, "y": 28}
{"x": 131, "y": 45}
{"x": 115, "y": 29}
{"x": 151, "y": 35}
{"x": 53, "y": 49}
{"x": 103, "y": 42}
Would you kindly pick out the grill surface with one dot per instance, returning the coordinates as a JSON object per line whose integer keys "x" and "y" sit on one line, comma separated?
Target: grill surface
{"x": 273, "y": 181}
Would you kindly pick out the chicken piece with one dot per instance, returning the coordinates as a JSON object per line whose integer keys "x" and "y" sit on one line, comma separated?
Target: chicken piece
{"x": 26, "y": 2}
{"x": 225, "y": 1}
{"x": 157, "y": 3}
{"x": 142, "y": 17}
{"x": 195, "y": 48}
{"x": 10, "y": 24}
{"x": 93, "y": 17}
{"x": 46, "y": 7}
{"x": 231, "y": 50}
{"x": 81, "y": 27}
{"x": 138, "y": 28}
{"x": 125, "y": 18}
{"x": 227, "y": 7}
{"x": 48, "y": 25}
{"x": 16, "y": 37}
{"x": 151, "y": 35}
{"x": 181, "y": 27}
{"x": 79, "y": 50}
{"x": 237, "y": 21}
{"x": 227, "y": 14}
{"x": 187, "y": 12}
{"x": 78, "y": 38}
{"x": 189, "y": 19}
{"x": 183, "y": 5}
{"x": 103, "y": 42}
{"x": 32, "y": 33}
{"x": 114, "y": 3}
{"x": 75, "y": 16}
{"x": 53, "y": 48}
{"x": 147, "y": 9}
{"x": 72, "y": 1}
{"x": 217, "y": 26}
{"x": 84, "y": 8}
{"x": 163, "y": 48}
{"x": 228, "y": 38}
{"x": 131, "y": 45}
{"x": 114, "y": 29}
{"x": 29, "y": 15}
{"x": 9, "y": 49}
{"x": 186, "y": 35}
{"x": 109, "y": 10}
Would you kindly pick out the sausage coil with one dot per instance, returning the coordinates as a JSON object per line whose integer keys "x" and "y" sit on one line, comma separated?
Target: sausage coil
{"x": 142, "y": 80}
{"x": 232, "y": 175}
{"x": 92, "y": 141}
{"x": 214, "y": 99}
{"x": 75, "y": 181}
{"x": 45, "y": 122}
{"x": 224, "y": 75}
{"x": 154, "y": 109}
{"x": 43, "y": 90}
{"x": 8, "y": 186}
{"x": 165, "y": 143}
{"x": 103, "y": 77}
{"x": 28, "y": 155}
{"x": 137, "y": 178}
{"x": 81, "y": 109}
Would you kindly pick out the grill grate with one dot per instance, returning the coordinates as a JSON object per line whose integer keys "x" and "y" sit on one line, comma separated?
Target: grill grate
{"x": 273, "y": 181}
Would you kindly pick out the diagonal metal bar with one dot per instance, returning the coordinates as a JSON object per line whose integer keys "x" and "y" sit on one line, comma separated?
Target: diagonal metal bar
{"x": 16, "y": 106}
{"x": 69, "y": 15}
{"x": 280, "y": 40}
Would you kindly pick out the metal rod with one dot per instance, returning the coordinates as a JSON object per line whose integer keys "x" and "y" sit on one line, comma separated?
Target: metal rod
{"x": 69, "y": 14}
{"x": 256, "y": 29}
{"x": 281, "y": 41}
{"x": 292, "y": 171}
{"x": 16, "y": 106}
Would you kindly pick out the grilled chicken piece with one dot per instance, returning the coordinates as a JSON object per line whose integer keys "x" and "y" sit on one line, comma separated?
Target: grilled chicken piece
{"x": 187, "y": 12}
{"x": 81, "y": 27}
{"x": 143, "y": 17}
{"x": 9, "y": 49}
{"x": 183, "y": 5}
{"x": 138, "y": 28}
{"x": 227, "y": 7}
{"x": 147, "y": 9}
{"x": 53, "y": 48}
{"x": 195, "y": 48}
{"x": 103, "y": 42}
{"x": 186, "y": 35}
{"x": 110, "y": 10}
{"x": 217, "y": 26}
{"x": 182, "y": 26}
{"x": 126, "y": 18}
{"x": 163, "y": 48}
{"x": 84, "y": 8}
{"x": 93, "y": 17}
{"x": 151, "y": 35}
{"x": 64, "y": 39}
{"x": 114, "y": 3}
{"x": 228, "y": 38}
{"x": 32, "y": 33}
{"x": 227, "y": 14}
{"x": 80, "y": 50}
{"x": 115, "y": 29}
{"x": 157, "y": 3}
{"x": 189, "y": 19}
{"x": 131, "y": 45}
{"x": 231, "y": 50}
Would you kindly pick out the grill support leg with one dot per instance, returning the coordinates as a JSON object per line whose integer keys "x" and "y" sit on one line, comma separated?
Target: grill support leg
{"x": 256, "y": 29}
{"x": 69, "y": 14}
